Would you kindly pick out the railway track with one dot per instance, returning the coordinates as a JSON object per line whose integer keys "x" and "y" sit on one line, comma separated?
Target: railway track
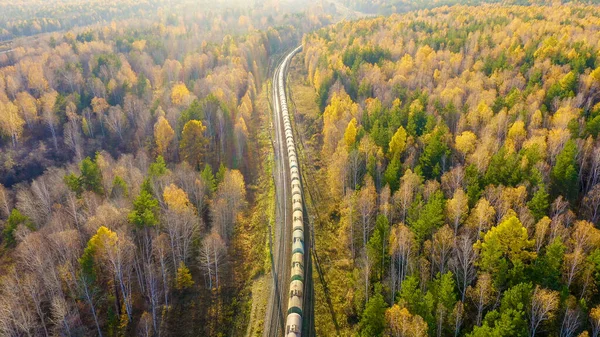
{"x": 6, "y": 46}
{"x": 286, "y": 303}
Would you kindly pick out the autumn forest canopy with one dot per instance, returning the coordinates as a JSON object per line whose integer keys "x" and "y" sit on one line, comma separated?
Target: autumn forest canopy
{"x": 449, "y": 149}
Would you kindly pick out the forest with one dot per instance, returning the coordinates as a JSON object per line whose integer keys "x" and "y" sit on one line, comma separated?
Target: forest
{"x": 387, "y": 7}
{"x": 449, "y": 150}
{"x": 133, "y": 155}
{"x": 461, "y": 154}
{"x": 32, "y": 17}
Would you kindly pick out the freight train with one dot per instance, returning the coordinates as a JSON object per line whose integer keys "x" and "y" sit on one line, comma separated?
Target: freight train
{"x": 293, "y": 326}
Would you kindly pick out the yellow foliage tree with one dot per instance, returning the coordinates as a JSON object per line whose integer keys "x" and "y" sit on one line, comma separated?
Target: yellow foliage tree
{"x": 544, "y": 304}
{"x": 163, "y": 134}
{"x": 193, "y": 142}
{"x": 481, "y": 216}
{"x": 336, "y": 117}
{"x": 11, "y": 124}
{"x": 99, "y": 105}
{"x": 139, "y": 45}
{"x": 176, "y": 199}
{"x": 465, "y": 142}
{"x": 27, "y": 106}
{"x": 103, "y": 239}
{"x": 457, "y": 209}
{"x": 517, "y": 133}
{"x": 350, "y": 134}
{"x": 401, "y": 323}
{"x": 184, "y": 277}
{"x": 179, "y": 94}
{"x": 36, "y": 79}
{"x": 398, "y": 142}
{"x": 595, "y": 320}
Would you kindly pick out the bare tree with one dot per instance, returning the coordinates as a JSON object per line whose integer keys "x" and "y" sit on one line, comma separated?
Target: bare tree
{"x": 16, "y": 316}
{"x": 403, "y": 247}
{"x": 193, "y": 185}
{"x": 409, "y": 185}
{"x": 571, "y": 321}
{"x": 481, "y": 295}
{"x": 153, "y": 293}
{"x": 160, "y": 248}
{"x": 355, "y": 164}
{"x": 544, "y": 303}
{"x": 366, "y": 206}
{"x": 441, "y": 246}
{"x": 116, "y": 121}
{"x": 45, "y": 191}
{"x": 62, "y": 314}
{"x": 64, "y": 248}
{"x": 385, "y": 206}
{"x": 573, "y": 265}
{"x": 593, "y": 177}
{"x": 49, "y": 116}
{"x": 228, "y": 202}
{"x": 118, "y": 253}
{"x": 182, "y": 228}
{"x": 366, "y": 266}
{"x": 212, "y": 254}
{"x": 89, "y": 293}
{"x": 591, "y": 204}
{"x": 462, "y": 263}
{"x": 145, "y": 328}
{"x": 584, "y": 236}
{"x": 72, "y": 135}
{"x": 34, "y": 289}
{"x": 73, "y": 208}
{"x": 5, "y": 202}
{"x": 453, "y": 180}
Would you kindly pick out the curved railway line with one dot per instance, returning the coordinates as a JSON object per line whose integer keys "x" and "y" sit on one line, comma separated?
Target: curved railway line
{"x": 285, "y": 312}
{"x": 293, "y": 326}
